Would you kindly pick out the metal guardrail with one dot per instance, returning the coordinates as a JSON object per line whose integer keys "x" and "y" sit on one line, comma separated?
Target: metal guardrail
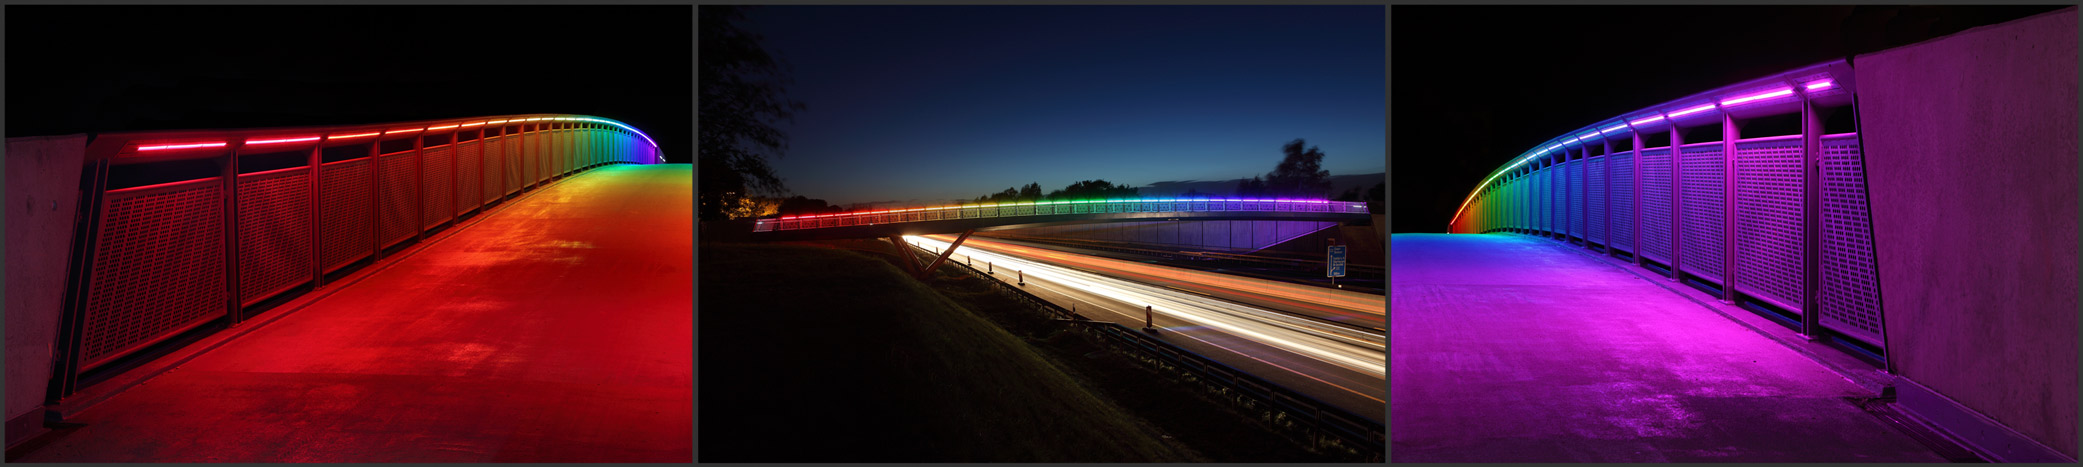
{"x": 1321, "y": 422}
{"x": 1776, "y": 223}
{"x": 1043, "y": 208}
{"x": 180, "y": 229}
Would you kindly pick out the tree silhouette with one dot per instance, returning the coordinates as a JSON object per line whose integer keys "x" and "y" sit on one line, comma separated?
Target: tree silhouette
{"x": 743, "y": 96}
{"x": 1253, "y": 186}
{"x": 1300, "y": 172}
{"x": 1031, "y": 192}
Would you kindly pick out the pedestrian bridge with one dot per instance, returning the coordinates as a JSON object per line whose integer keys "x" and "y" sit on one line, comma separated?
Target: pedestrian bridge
{"x": 1005, "y": 216}
{"x": 407, "y": 291}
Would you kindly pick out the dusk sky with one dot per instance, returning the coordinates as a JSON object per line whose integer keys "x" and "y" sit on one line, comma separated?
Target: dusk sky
{"x": 935, "y": 103}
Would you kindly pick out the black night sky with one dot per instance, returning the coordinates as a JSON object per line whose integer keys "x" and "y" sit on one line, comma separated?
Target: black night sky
{"x": 74, "y": 69}
{"x": 1474, "y": 86}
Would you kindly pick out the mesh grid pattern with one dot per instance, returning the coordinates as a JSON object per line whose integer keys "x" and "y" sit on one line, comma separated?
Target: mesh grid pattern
{"x": 1656, "y": 204}
{"x": 274, "y": 233}
{"x": 1595, "y": 200}
{"x": 1701, "y": 172}
{"x": 493, "y": 157}
{"x": 158, "y": 268}
{"x": 1849, "y": 299}
{"x": 1620, "y": 186}
{"x": 467, "y": 169}
{"x": 438, "y": 194}
{"x": 396, "y": 223}
{"x": 513, "y": 164}
{"x": 1621, "y": 172}
{"x": 1574, "y": 171}
{"x": 1768, "y": 220}
{"x": 344, "y": 213}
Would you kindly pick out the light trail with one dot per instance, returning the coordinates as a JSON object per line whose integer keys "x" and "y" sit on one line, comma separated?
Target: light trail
{"x": 1364, "y": 309}
{"x": 1353, "y": 349}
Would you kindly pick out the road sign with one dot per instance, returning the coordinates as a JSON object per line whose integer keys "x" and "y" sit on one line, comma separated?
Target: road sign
{"x": 1337, "y": 262}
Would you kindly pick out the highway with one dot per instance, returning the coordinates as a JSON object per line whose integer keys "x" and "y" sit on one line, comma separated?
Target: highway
{"x": 1321, "y": 342}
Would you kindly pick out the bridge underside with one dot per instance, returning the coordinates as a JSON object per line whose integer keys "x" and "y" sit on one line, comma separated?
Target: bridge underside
{"x": 951, "y": 226}
{"x": 557, "y": 329}
{"x": 1512, "y": 348}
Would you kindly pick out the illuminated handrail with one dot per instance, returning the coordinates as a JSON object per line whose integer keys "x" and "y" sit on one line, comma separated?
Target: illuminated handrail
{"x": 1050, "y": 208}
{"x": 1781, "y": 93}
{"x": 1776, "y": 222}
{"x": 181, "y": 228}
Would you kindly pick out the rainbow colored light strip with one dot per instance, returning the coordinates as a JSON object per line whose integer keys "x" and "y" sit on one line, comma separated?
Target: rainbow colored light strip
{"x": 1576, "y": 138}
{"x": 1089, "y": 201}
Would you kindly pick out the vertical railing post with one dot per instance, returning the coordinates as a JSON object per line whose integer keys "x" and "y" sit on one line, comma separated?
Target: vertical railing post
{"x": 376, "y": 197}
{"x": 317, "y": 249}
{"x": 1729, "y": 134}
{"x": 231, "y": 233}
{"x": 1677, "y": 200}
{"x": 1635, "y": 230}
{"x": 72, "y": 318}
{"x": 1811, "y": 218}
{"x": 1606, "y": 196}
{"x": 419, "y": 187}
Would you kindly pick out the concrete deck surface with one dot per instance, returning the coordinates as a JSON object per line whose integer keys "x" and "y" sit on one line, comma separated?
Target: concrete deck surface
{"x": 559, "y": 329}
{"x": 1512, "y": 348}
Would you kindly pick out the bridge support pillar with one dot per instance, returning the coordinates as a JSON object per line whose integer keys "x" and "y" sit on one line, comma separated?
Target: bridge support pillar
{"x": 904, "y": 256}
{"x": 922, "y": 274}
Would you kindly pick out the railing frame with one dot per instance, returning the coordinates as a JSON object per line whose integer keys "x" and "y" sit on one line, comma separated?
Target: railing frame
{"x": 107, "y": 151}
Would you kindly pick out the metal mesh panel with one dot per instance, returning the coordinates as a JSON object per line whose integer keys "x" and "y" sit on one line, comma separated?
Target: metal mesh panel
{"x": 1656, "y": 204}
{"x": 1595, "y": 200}
{"x": 513, "y": 164}
{"x": 438, "y": 191}
{"x": 1621, "y": 173}
{"x": 396, "y": 183}
{"x": 1849, "y": 295}
{"x": 1574, "y": 172}
{"x": 1768, "y": 220}
{"x": 494, "y": 157}
{"x": 1701, "y": 172}
{"x": 344, "y": 213}
{"x": 274, "y": 232}
{"x": 158, "y": 268}
{"x": 467, "y": 169}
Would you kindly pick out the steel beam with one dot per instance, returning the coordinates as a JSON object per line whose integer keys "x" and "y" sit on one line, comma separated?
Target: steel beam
{"x": 904, "y": 255}
{"x": 922, "y": 274}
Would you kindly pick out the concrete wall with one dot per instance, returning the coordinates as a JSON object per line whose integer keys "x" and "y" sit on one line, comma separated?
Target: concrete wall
{"x": 1970, "y": 146}
{"x": 43, "y": 176}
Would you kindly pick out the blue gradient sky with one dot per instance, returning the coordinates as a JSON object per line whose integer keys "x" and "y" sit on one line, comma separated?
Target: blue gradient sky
{"x": 938, "y": 103}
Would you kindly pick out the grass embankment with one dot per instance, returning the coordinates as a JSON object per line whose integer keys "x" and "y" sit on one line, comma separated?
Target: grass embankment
{"x": 816, "y": 355}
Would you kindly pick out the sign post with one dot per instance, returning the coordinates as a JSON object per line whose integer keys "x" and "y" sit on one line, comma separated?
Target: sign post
{"x": 1335, "y": 264}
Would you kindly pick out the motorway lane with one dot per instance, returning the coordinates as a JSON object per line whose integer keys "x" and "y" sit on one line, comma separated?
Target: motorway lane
{"x": 1339, "y": 365}
{"x": 1361, "y": 310}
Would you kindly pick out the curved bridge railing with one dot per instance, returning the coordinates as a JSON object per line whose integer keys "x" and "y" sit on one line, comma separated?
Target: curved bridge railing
{"x": 181, "y": 229}
{"x": 1045, "y": 208}
{"x": 1754, "y": 192}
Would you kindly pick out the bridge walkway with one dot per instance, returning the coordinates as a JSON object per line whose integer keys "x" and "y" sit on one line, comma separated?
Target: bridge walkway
{"x": 1513, "y": 348}
{"x": 557, "y": 329}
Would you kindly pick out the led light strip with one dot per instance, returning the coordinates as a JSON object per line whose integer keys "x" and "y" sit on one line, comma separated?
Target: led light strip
{"x": 330, "y": 138}
{"x": 181, "y": 146}
{"x": 274, "y": 141}
{"x": 1817, "y": 85}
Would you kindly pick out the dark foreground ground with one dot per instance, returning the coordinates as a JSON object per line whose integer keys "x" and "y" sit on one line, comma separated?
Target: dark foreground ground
{"x": 820, "y": 355}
